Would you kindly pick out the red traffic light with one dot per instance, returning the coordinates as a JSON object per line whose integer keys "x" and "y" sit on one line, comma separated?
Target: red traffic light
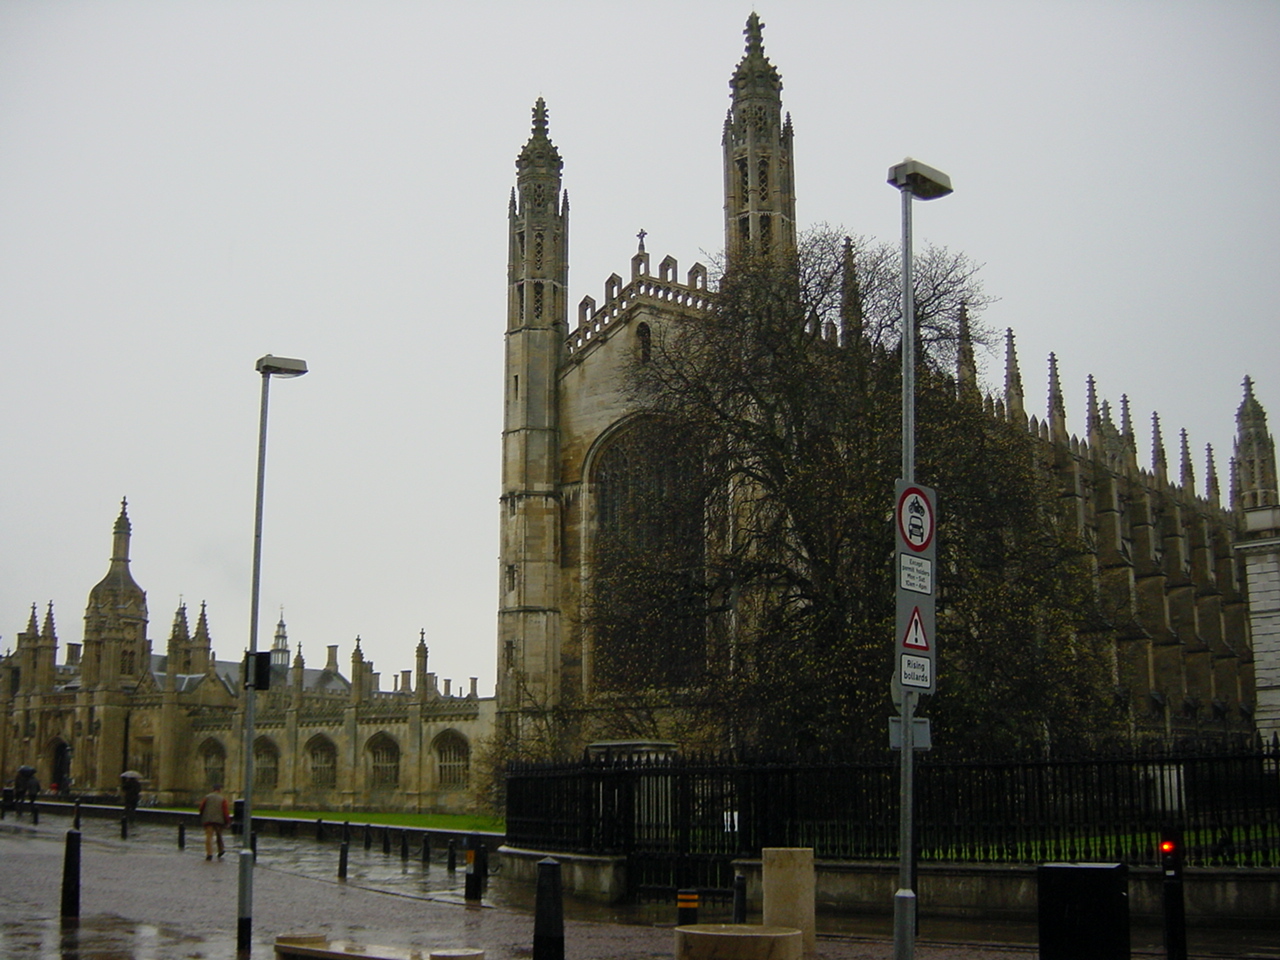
{"x": 1168, "y": 846}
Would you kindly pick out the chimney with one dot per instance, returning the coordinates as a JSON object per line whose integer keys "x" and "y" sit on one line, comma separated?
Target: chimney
{"x": 446, "y": 687}
{"x": 332, "y": 664}
{"x": 406, "y": 681}
{"x": 73, "y": 654}
{"x": 473, "y": 695}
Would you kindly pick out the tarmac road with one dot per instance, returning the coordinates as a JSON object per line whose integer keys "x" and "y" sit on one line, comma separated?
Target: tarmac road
{"x": 144, "y": 899}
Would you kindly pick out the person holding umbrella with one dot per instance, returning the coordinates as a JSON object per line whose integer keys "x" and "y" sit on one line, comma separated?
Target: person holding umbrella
{"x": 131, "y": 787}
{"x": 25, "y": 786}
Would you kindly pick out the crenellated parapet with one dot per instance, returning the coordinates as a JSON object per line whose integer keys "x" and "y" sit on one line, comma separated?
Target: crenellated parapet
{"x": 595, "y": 323}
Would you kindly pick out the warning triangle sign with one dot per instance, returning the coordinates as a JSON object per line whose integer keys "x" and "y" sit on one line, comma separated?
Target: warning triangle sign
{"x": 915, "y": 637}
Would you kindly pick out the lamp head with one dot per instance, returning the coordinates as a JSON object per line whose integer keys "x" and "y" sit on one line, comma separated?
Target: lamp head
{"x": 270, "y": 366}
{"x": 920, "y": 180}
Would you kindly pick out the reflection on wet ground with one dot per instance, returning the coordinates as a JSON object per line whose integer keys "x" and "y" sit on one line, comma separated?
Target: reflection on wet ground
{"x": 96, "y": 938}
{"x": 105, "y": 937}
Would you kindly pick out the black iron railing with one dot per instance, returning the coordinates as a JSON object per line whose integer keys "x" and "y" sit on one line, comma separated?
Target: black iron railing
{"x": 681, "y": 821}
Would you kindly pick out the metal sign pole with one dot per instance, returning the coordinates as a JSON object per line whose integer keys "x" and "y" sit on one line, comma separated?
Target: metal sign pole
{"x": 904, "y": 899}
{"x": 913, "y": 656}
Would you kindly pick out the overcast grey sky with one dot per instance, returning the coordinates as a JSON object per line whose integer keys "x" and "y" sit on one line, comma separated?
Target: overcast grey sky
{"x": 187, "y": 186}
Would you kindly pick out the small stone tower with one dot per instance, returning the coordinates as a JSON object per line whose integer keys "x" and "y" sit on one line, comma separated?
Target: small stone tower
{"x": 537, "y": 274}
{"x": 759, "y": 181}
{"x": 1256, "y": 498}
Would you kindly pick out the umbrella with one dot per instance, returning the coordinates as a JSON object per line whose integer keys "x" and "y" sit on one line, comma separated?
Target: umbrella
{"x": 26, "y": 769}
{"x": 131, "y": 775}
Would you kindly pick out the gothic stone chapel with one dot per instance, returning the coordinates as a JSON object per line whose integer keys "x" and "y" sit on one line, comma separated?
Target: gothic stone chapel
{"x": 581, "y": 459}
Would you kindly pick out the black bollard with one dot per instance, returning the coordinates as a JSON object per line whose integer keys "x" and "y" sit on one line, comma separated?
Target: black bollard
{"x": 182, "y": 836}
{"x": 342, "y": 859}
{"x": 368, "y": 836}
{"x": 320, "y": 831}
{"x": 548, "y": 913}
{"x": 35, "y": 814}
{"x": 346, "y": 831}
{"x": 404, "y": 844}
{"x": 739, "y": 898}
{"x": 453, "y": 855}
{"x": 686, "y": 907}
{"x": 77, "y": 814}
{"x": 471, "y": 883}
{"x": 71, "y": 876}
{"x": 1175, "y": 912}
{"x": 124, "y": 828}
{"x": 482, "y": 861}
{"x": 386, "y": 840}
{"x": 426, "y": 849}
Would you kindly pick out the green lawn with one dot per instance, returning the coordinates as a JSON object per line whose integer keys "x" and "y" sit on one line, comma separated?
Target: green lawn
{"x": 461, "y": 822}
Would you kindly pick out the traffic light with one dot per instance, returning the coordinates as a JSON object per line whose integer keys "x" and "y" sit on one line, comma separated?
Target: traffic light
{"x": 257, "y": 667}
{"x": 1175, "y": 913}
{"x": 1171, "y": 852}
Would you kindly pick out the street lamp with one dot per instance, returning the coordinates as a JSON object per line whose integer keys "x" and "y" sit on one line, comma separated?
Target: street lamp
{"x": 269, "y": 367}
{"x": 914, "y": 180}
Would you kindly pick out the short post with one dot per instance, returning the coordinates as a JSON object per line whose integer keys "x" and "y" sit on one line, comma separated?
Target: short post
{"x": 453, "y": 854}
{"x": 471, "y": 883}
{"x": 386, "y": 840}
{"x": 253, "y": 844}
{"x": 320, "y": 831}
{"x": 124, "y": 828}
{"x": 686, "y": 907}
{"x": 426, "y": 849}
{"x": 1175, "y": 911}
{"x": 482, "y": 861}
{"x": 77, "y": 821}
{"x": 342, "y": 859}
{"x": 346, "y": 831}
{"x": 35, "y": 813}
{"x": 548, "y": 913}
{"x": 71, "y": 876}
{"x": 368, "y": 836}
{"x": 404, "y": 845}
{"x": 739, "y": 898}
{"x": 182, "y": 835}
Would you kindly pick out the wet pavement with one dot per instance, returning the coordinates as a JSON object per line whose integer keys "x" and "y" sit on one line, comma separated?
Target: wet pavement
{"x": 144, "y": 899}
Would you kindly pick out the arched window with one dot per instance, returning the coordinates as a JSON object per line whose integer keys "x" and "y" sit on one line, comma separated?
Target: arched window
{"x": 266, "y": 764}
{"x": 322, "y": 759}
{"x": 646, "y": 604}
{"x": 453, "y": 759}
{"x": 384, "y": 760}
{"x": 213, "y": 757}
{"x": 644, "y": 337}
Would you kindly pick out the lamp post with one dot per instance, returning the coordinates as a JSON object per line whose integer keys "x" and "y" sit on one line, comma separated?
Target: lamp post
{"x": 914, "y": 180}
{"x": 269, "y": 367}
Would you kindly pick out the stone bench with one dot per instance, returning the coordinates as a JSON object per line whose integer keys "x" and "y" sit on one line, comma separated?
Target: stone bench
{"x": 738, "y": 941}
{"x": 322, "y": 948}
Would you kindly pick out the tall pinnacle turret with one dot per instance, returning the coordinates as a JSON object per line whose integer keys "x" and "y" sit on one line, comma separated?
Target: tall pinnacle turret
{"x": 759, "y": 181}
{"x": 1255, "y": 454}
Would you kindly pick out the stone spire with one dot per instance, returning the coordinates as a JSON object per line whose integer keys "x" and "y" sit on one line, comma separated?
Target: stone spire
{"x": 966, "y": 364}
{"x": 179, "y": 649}
{"x": 1057, "y": 406}
{"x": 851, "y": 306}
{"x": 1186, "y": 472}
{"x": 759, "y": 198}
{"x": 1013, "y": 396}
{"x": 1093, "y": 426}
{"x": 1212, "y": 492}
{"x": 1159, "y": 465}
{"x": 280, "y": 646}
{"x": 202, "y": 645}
{"x": 1255, "y": 454}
